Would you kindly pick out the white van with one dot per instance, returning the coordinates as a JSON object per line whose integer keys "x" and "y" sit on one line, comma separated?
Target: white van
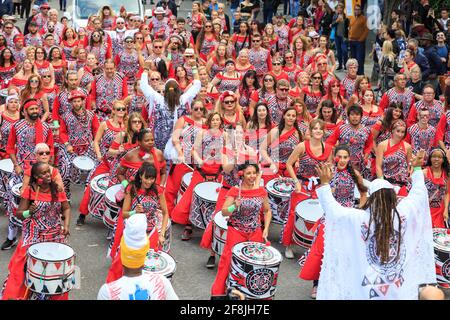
{"x": 82, "y": 9}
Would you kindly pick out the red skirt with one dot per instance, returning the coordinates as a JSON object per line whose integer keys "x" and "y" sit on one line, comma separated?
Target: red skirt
{"x": 313, "y": 263}
{"x": 173, "y": 185}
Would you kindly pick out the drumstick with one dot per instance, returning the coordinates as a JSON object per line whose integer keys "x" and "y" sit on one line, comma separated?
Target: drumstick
{"x": 188, "y": 166}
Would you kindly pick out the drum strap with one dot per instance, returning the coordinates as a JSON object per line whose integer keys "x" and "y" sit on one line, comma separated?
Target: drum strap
{"x": 209, "y": 177}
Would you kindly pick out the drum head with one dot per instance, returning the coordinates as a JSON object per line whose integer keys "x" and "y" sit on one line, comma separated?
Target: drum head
{"x": 441, "y": 239}
{"x": 221, "y": 221}
{"x": 207, "y": 191}
{"x": 187, "y": 178}
{"x": 51, "y": 251}
{"x": 84, "y": 163}
{"x": 309, "y": 209}
{"x": 100, "y": 183}
{"x": 257, "y": 253}
{"x": 111, "y": 192}
{"x": 160, "y": 263}
{"x": 280, "y": 187}
{"x": 6, "y": 165}
{"x": 16, "y": 189}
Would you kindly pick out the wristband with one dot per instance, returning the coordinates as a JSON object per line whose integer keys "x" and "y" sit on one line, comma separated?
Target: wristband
{"x": 130, "y": 213}
{"x": 124, "y": 183}
{"x": 56, "y": 123}
{"x": 417, "y": 169}
{"x": 231, "y": 208}
{"x": 26, "y": 214}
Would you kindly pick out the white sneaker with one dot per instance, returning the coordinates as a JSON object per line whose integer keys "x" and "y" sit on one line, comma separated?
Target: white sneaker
{"x": 288, "y": 253}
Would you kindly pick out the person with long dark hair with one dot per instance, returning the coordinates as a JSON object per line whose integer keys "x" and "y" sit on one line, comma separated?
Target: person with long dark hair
{"x": 142, "y": 196}
{"x": 329, "y": 115}
{"x": 267, "y": 90}
{"x": 383, "y": 242}
{"x": 248, "y": 84}
{"x": 258, "y": 126}
{"x": 8, "y": 67}
{"x": 312, "y": 95}
{"x": 381, "y": 129}
{"x": 45, "y": 213}
{"x": 242, "y": 39}
{"x": 244, "y": 205}
{"x": 342, "y": 184}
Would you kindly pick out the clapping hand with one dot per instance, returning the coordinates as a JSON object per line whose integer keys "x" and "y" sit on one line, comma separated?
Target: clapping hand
{"x": 417, "y": 160}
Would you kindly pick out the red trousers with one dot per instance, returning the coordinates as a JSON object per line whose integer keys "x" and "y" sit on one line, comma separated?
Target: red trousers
{"x": 173, "y": 185}
{"x": 288, "y": 230}
{"x": 234, "y": 237}
{"x": 208, "y": 233}
{"x": 313, "y": 263}
{"x": 116, "y": 270}
{"x": 180, "y": 213}
{"x": 15, "y": 288}
{"x": 102, "y": 168}
{"x": 437, "y": 217}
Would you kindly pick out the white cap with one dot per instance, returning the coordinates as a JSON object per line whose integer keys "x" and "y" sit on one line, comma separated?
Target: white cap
{"x": 120, "y": 19}
{"x": 379, "y": 184}
{"x": 313, "y": 34}
{"x": 35, "y": 7}
{"x": 12, "y": 97}
{"x": 159, "y": 10}
{"x": 135, "y": 233}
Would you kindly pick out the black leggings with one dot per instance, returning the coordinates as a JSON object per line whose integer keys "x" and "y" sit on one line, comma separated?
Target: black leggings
{"x": 26, "y": 6}
{"x": 16, "y": 6}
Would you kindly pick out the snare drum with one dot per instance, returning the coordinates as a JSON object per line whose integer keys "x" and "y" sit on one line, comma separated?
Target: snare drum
{"x": 185, "y": 182}
{"x": 97, "y": 203}
{"x": 220, "y": 228}
{"x": 204, "y": 203}
{"x": 357, "y": 195}
{"x": 307, "y": 213}
{"x": 279, "y": 193}
{"x": 6, "y": 172}
{"x": 111, "y": 213}
{"x": 160, "y": 263}
{"x": 80, "y": 169}
{"x": 441, "y": 240}
{"x": 254, "y": 270}
{"x": 50, "y": 268}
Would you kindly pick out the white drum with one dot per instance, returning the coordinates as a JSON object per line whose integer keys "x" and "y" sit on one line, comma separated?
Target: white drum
{"x": 97, "y": 204}
{"x": 185, "y": 182}
{"x": 307, "y": 213}
{"x": 81, "y": 167}
{"x": 220, "y": 228}
{"x": 441, "y": 239}
{"x": 6, "y": 172}
{"x": 203, "y": 203}
{"x": 279, "y": 194}
{"x": 111, "y": 213}
{"x": 254, "y": 270}
{"x": 50, "y": 268}
{"x": 160, "y": 263}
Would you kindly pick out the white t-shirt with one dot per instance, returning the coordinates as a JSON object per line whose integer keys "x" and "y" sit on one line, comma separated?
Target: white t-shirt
{"x": 145, "y": 287}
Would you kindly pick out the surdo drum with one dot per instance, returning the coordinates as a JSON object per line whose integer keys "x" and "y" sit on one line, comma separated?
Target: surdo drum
{"x": 97, "y": 203}
{"x": 111, "y": 213}
{"x": 160, "y": 263}
{"x": 50, "y": 268}
{"x": 203, "y": 203}
{"x": 254, "y": 269}
{"x": 279, "y": 192}
{"x": 220, "y": 228}
{"x": 307, "y": 213}
{"x": 81, "y": 167}
{"x": 441, "y": 240}
{"x": 185, "y": 182}
{"x": 6, "y": 172}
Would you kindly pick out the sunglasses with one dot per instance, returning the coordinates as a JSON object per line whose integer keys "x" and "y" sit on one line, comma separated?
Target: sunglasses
{"x": 155, "y": 79}
{"x": 198, "y": 109}
{"x": 284, "y": 89}
{"x": 8, "y": 27}
{"x": 96, "y": 36}
{"x": 136, "y": 121}
{"x": 34, "y": 81}
{"x": 317, "y": 78}
{"x": 160, "y": 91}
{"x": 46, "y": 76}
{"x": 288, "y": 57}
{"x": 157, "y": 47}
{"x": 268, "y": 80}
{"x": 129, "y": 41}
{"x": 39, "y": 52}
{"x": 44, "y": 153}
{"x": 139, "y": 38}
{"x": 256, "y": 40}
{"x": 229, "y": 101}
{"x": 208, "y": 26}
{"x": 121, "y": 109}
{"x": 276, "y": 64}
{"x": 120, "y": 22}
{"x": 336, "y": 86}
{"x": 321, "y": 64}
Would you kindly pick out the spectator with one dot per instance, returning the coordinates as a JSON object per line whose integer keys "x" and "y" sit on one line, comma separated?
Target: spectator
{"x": 357, "y": 38}
{"x": 444, "y": 18}
{"x": 437, "y": 68}
{"x": 340, "y": 24}
{"x": 420, "y": 59}
{"x": 6, "y": 7}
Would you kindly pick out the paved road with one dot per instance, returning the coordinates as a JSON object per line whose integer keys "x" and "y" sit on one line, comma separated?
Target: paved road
{"x": 191, "y": 280}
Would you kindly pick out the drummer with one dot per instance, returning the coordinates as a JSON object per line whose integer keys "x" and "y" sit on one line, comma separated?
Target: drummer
{"x": 9, "y": 116}
{"x": 134, "y": 284}
{"x": 45, "y": 212}
{"x": 244, "y": 206}
{"x": 78, "y": 129}
{"x": 142, "y": 196}
{"x": 436, "y": 180}
{"x": 42, "y": 152}
{"x": 308, "y": 153}
{"x": 207, "y": 155}
{"x": 342, "y": 184}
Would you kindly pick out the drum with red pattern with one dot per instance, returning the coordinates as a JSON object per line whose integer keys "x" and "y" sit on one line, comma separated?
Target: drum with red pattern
{"x": 279, "y": 191}
{"x": 203, "y": 203}
{"x": 307, "y": 213}
{"x": 441, "y": 239}
{"x": 97, "y": 204}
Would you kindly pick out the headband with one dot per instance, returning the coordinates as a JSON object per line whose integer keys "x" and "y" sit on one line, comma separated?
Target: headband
{"x": 12, "y": 97}
{"x": 30, "y": 103}
{"x": 226, "y": 94}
